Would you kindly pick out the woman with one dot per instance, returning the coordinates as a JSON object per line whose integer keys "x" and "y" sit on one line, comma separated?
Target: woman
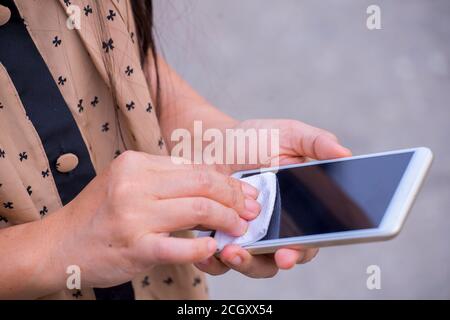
{"x": 86, "y": 112}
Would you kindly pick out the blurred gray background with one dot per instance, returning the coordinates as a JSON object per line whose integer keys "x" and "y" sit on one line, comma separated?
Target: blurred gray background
{"x": 377, "y": 90}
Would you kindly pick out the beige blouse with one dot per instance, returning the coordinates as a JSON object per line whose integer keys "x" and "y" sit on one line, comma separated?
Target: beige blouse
{"x": 108, "y": 126}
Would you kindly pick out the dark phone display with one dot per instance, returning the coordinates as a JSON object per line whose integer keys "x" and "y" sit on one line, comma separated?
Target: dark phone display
{"x": 334, "y": 197}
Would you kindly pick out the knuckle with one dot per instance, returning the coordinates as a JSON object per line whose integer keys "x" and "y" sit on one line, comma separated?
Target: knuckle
{"x": 160, "y": 250}
{"x": 126, "y": 159}
{"x": 201, "y": 208}
{"x": 229, "y": 218}
{"x": 126, "y": 156}
{"x": 233, "y": 183}
{"x": 120, "y": 177}
{"x": 119, "y": 189}
{"x": 204, "y": 180}
{"x": 236, "y": 195}
{"x": 198, "y": 251}
{"x": 234, "y": 217}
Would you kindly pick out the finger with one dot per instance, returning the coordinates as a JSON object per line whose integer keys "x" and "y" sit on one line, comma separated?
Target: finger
{"x": 239, "y": 259}
{"x": 287, "y": 258}
{"x": 189, "y": 213}
{"x": 212, "y": 266}
{"x": 316, "y": 143}
{"x": 226, "y": 190}
{"x": 194, "y": 180}
{"x": 155, "y": 249}
{"x": 310, "y": 254}
{"x": 167, "y": 164}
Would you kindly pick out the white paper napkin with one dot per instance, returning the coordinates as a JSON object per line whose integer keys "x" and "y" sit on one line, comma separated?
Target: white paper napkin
{"x": 266, "y": 183}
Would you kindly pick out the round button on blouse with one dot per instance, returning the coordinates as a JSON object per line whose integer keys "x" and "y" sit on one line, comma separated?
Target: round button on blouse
{"x": 5, "y": 15}
{"x": 66, "y": 162}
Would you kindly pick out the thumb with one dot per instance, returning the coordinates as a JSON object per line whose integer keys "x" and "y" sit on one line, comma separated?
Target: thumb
{"x": 315, "y": 143}
{"x": 325, "y": 147}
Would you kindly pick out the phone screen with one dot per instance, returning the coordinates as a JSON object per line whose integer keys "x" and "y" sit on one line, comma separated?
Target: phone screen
{"x": 334, "y": 197}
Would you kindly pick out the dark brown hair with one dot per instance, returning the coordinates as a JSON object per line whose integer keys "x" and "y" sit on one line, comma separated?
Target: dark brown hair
{"x": 143, "y": 17}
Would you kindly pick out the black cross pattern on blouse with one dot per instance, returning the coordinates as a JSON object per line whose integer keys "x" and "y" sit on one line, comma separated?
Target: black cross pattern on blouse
{"x": 45, "y": 173}
{"x": 67, "y": 3}
{"x": 168, "y": 281}
{"x": 3, "y": 219}
{"x": 80, "y": 105}
{"x": 2, "y": 153}
{"x": 61, "y": 80}
{"x": 1, "y": 105}
{"x": 145, "y": 282}
{"x": 23, "y": 156}
{"x": 95, "y": 101}
{"x": 29, "y": 190}
{"x": 56, "y": 41}
{"x": 197, "y": 281}
{"x": 149, "y": 107}
{"x": 105, "y": 127}
{"x": 87, "y": 10}
{"x": 8, "y": 205}
{"x": 111, "y": 15}
{"x": 44, "y": 211}
{"x": 129, "y": 71}
{"x": 77, "y": 294}
{"x": 130, "y": 105}
{"x": 108, "y": 45}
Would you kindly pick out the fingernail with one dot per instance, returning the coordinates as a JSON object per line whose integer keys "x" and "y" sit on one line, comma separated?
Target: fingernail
{"x": 236, "y": 261}
{"x": 243, "y": 226}
{"x": 346, "y": 150}
{"x": 249, "y": 190}
{"x": 252, "y": 206}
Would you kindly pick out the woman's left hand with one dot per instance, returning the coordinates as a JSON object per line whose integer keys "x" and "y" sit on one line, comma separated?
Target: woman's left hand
{"x": 298, "y": 142}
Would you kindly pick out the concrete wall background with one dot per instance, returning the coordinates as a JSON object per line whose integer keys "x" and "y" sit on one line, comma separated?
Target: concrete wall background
{"x": 377, "y": 90}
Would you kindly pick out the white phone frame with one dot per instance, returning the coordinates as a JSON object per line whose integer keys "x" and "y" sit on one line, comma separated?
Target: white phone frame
{"x": 391, "y": 222}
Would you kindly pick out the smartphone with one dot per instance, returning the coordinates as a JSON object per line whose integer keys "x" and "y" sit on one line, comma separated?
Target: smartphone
{"x": 342, "y": 201}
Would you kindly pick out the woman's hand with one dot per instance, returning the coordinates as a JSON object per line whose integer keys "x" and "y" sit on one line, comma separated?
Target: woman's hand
{"x": 298, "y": 142}
{"x": 119, "y": 224}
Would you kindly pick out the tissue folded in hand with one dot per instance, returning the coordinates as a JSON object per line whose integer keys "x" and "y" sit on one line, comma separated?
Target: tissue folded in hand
{"x": 266, "y": 183}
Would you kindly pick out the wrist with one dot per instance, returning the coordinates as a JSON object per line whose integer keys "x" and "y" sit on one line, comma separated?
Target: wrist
{"x": 49, "y": 262}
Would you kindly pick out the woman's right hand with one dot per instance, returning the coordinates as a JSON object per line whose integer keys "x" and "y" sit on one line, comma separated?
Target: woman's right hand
{"x": 118, "y": 226}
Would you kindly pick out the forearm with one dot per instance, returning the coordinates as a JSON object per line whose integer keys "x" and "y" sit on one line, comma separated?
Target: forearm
{"x": 181, "y": 105}
{"x": 30, "y": 259}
